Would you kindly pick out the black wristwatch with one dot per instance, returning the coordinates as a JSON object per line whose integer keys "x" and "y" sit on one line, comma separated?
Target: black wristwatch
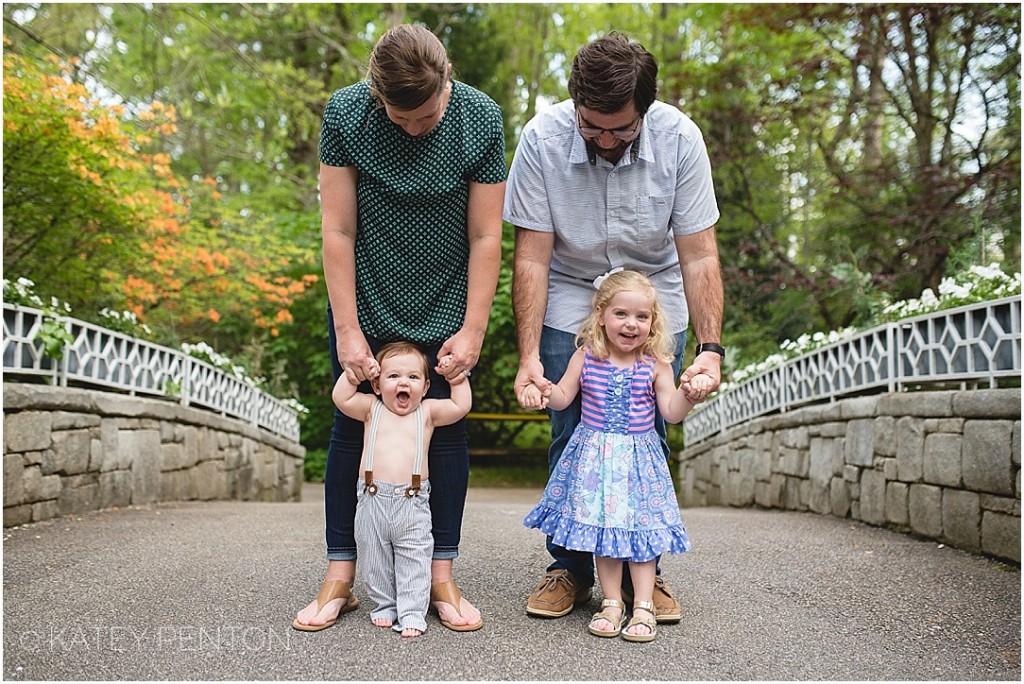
{"x": 711, "y": 347}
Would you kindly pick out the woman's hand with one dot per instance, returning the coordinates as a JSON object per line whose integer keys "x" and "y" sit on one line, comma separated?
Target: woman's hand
{"x": 459, "y": 353}
{"x": 356, "y": 358}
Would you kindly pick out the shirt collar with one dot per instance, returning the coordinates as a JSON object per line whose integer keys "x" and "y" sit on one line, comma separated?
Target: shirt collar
{"x": 640, "y": 149}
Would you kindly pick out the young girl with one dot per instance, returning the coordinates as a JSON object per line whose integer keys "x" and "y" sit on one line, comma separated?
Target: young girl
{"x": 611, "y": 492}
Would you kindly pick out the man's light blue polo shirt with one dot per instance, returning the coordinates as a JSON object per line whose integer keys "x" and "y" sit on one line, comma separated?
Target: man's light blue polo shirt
{"x": 605, "y": 216}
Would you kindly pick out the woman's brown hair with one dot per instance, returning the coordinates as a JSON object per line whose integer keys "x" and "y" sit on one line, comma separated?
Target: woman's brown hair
{"x": 408, "y": 64}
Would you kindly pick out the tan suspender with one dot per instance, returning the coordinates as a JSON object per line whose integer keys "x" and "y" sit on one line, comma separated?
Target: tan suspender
{"x": 368, "y": 485}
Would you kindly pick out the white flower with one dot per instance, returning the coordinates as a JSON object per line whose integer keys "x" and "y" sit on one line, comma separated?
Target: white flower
{"x": 990, "y": 272}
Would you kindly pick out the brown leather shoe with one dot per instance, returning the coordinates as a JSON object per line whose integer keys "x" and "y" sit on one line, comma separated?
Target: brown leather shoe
{"x": 556, "y": 595}
{"x": 666, "y": 608}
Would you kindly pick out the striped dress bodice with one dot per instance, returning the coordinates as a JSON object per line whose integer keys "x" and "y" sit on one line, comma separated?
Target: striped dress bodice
{"x": 619, "y": 400}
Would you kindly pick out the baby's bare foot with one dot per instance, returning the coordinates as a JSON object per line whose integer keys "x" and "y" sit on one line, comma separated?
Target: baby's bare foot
{"x": 382, "y": 622}
{"x": 409, "y": 633}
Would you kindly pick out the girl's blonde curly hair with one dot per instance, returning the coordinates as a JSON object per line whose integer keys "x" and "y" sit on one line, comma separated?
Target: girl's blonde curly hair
{"x": 660, "y": 344}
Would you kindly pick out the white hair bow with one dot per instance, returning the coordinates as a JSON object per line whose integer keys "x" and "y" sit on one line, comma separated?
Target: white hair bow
{"x": 600, "y": 279}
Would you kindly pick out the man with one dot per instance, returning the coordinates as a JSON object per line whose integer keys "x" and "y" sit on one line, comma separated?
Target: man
{"x": 609, "y": 179}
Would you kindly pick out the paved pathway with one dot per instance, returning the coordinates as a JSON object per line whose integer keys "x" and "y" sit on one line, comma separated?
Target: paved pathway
{"x": 208, "y": 590}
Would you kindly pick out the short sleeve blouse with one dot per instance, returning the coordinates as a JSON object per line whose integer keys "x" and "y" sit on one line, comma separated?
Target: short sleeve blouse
{"x": 412, "y": 248}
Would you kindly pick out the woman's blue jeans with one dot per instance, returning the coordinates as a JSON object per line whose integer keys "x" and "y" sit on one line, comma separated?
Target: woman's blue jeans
{"x": 556, "y": 348}
{"x": 447, "y": 459}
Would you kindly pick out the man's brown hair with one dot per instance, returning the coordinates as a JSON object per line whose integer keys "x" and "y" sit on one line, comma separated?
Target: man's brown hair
{"x": 611, "y": 72}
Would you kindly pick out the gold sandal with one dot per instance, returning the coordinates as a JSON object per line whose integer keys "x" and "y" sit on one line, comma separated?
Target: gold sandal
{"x": 648, "y": 622}
{"x": 447, "y": 592}
{"x": 329, "y": 591}
{"x": 616, "y": 620}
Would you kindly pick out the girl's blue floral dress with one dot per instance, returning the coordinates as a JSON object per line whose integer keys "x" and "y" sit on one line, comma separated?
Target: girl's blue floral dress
{"x": 611, "y": 492}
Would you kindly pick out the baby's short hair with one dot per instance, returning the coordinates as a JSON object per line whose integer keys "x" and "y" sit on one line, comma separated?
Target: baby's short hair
{"x": 401, "y": 348}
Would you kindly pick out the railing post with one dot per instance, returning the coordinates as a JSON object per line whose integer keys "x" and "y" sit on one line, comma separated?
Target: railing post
{"x": 254, "y": 407}
{"x": 62, "y": 365}
{"x": 721, "y": 415}
{"x": 890, "y": 353}
{"x": 186, "y": 375}
{"x": 1015, "y": 325}
{"x": 784, "y": 370}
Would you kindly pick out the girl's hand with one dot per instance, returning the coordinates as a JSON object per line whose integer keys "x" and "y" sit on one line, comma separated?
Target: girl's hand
{"x": 707, "y": 364}
{"x": 531, "y": 374}
{"x": 698, "y": 387}
{"x": 532, "y": 398}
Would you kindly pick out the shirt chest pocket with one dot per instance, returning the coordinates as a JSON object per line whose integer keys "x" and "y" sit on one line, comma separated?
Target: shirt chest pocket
{"x": 654, "y": 210}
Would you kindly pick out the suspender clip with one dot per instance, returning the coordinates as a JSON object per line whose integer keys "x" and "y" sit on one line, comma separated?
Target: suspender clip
{"x": 414, "y": 490}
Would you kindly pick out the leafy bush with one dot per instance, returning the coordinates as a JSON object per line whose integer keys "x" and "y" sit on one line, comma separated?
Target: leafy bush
{"x": 315, "y": 465}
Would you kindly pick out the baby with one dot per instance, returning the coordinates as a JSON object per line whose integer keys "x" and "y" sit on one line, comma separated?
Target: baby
{"x": 392, "y": 523}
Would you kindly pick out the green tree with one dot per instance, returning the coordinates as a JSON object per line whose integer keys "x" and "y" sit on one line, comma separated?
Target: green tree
{"x": 858, "y": 151}
{"x": 94, "y": 214}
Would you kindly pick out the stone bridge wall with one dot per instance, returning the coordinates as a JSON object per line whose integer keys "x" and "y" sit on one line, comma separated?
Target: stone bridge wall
{"x": 68, "y": 451}
{"x": 941, "y": 465}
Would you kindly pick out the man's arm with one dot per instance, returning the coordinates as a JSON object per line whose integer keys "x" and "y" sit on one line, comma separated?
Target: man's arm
{"x": 702, "y": 283}
{"x": 338, "y": 229}
{"x": 483, "y": 225}
{"x": 532, "y": 262}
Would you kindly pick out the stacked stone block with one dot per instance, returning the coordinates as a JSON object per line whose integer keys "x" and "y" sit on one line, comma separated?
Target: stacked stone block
{"x": 944, "y": 465}
{"x": 68, "y": 451}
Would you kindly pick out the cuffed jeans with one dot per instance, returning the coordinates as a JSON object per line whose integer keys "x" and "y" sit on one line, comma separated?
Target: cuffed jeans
{"x": 556, "y": 349}
{"x": 447, "y": 459}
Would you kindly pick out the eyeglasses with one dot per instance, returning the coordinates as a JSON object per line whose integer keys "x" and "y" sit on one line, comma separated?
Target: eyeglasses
{"x": 617, "y": 133}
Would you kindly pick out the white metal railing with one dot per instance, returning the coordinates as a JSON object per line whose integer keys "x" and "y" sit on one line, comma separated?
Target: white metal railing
{"x": 100, "y": 357}
{"x": 977, "y": 343}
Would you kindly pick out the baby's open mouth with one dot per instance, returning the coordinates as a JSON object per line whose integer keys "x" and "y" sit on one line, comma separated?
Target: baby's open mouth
{"x": 402, "y": 399}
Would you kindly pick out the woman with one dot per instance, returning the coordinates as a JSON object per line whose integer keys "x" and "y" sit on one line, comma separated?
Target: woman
{"x": 412, "y": 179}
